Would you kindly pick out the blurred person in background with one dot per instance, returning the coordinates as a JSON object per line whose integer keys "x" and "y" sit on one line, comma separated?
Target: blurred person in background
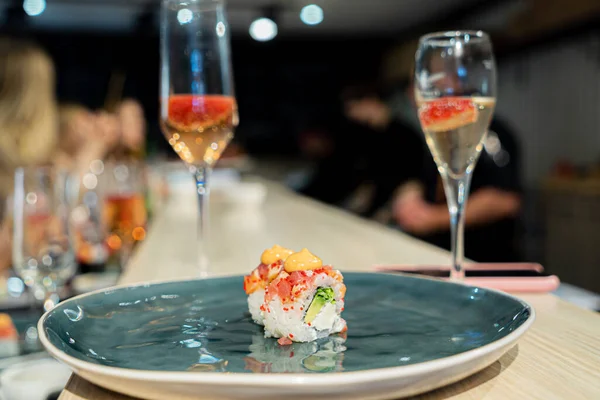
{"x": 107, "y": 132}
{"x": 366, "y": 154}
{"x": 132, "y": 124}
{"x": 398, "y": 151}
{"x": 28, "y": 119}
{"x": 375, "y": 144}
{"x": 419, "y": 204}
{"x": 28, "y": 111}
{"x": 493, "y": 207}
{"x": 76, "y": 124}
{"x": 84, "y": 136}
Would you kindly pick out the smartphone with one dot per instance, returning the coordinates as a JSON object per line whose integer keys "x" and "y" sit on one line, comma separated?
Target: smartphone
{"x": 508, "y": 277}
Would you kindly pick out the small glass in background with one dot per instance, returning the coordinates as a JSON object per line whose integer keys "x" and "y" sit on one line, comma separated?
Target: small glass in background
{"x": 125, "y": 214}
{"x": 110, "y": 218}
{"x": 42, "y": 250}
{"x": 87, "y": 220}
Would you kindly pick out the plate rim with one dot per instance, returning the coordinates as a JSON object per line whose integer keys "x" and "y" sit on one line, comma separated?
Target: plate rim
{"x": 283, "y": 379}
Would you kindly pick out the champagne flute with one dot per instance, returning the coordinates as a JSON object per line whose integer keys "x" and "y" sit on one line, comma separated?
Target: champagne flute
{"x": 198, "y": 112}
{"x": 455, "y": 88}
{"x": 42, "y": 247}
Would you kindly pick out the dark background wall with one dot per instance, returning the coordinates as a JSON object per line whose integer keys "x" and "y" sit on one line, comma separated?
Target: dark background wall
{"x": 282, "y": 87}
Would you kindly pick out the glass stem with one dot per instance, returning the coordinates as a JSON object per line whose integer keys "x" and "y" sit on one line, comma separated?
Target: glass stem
{"x": 202, "y": 175}
{"x": 457, "y": 191}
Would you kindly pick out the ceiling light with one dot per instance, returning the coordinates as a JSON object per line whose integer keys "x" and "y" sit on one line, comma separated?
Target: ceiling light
{"x": 184, "y": 16}
{"x": 221, "y": 29}
{"x": 311, "y": 14}
{"x": 34, "y": 7}
{"x": 263, "y": 29}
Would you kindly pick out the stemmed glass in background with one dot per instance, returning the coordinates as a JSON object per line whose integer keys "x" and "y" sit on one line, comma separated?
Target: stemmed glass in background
{"x": 42, "y": 248}
{"x": 198, "y": 112}
{"x": 455, "y": 88}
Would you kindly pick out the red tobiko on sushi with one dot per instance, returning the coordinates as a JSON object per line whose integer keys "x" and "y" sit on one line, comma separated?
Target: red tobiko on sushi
{"x": 261, "y": 276}
{"x": 291, "y": 286}
{"x": 271, "y": 264}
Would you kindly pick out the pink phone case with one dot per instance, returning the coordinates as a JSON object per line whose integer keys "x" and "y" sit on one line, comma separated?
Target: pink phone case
{"x": 541, "y": 284}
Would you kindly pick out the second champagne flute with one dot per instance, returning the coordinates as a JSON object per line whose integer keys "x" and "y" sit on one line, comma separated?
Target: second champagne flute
{"x": 198, "y": 112}
{"x": 455, "y": 88}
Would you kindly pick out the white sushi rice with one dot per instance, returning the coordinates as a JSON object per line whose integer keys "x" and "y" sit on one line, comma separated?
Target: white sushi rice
{"x": 255, "y": 300}
{"x": 287, "y": 320}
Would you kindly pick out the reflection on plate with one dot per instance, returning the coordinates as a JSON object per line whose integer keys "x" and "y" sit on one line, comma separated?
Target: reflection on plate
{"x": 323, "y": 355}
{"x": 194, "y": 339}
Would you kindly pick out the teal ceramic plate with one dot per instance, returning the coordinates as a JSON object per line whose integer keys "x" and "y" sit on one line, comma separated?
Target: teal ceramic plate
{"x": 195, "y": 338}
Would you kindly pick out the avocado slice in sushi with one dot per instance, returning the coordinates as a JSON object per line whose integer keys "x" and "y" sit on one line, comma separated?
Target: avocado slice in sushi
{"x": 322, "y": 297}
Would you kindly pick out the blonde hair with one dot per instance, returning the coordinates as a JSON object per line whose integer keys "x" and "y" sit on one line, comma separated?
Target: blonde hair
{"x": 28, "y": 110}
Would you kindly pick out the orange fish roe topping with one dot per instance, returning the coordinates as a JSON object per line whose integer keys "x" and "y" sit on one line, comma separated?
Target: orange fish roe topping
{"x": 261, "y": 276}
{"x": 289, "y": 286}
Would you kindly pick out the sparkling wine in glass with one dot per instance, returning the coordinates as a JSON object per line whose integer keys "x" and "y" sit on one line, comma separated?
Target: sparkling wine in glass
{"x": 455, "y": 88}
{"x": 198, "y": 111}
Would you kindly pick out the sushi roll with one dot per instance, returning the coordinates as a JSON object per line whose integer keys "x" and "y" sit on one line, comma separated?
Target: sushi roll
{"x": 271, "y": 264}
{"x": 305, "y": 301}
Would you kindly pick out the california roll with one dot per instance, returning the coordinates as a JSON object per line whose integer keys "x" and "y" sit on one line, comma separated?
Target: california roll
{"x": 305, "y": 301}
